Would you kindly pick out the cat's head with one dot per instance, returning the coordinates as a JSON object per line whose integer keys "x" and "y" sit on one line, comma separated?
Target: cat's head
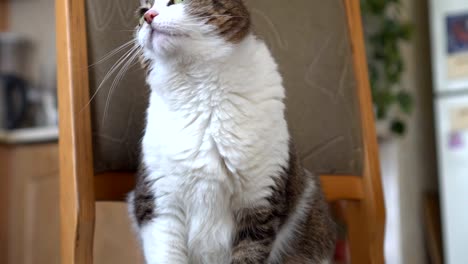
{"x": 174, "y": 27}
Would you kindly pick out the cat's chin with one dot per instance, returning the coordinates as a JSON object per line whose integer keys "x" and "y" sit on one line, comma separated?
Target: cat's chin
{"x": 156, "y": 32}
{"x": 164, "y": 42}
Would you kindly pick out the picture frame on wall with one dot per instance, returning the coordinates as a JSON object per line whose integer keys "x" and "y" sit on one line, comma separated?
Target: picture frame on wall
{"x": 457, "y": 46}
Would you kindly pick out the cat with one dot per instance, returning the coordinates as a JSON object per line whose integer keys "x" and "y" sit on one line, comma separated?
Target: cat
{"x": 220, "y": 181}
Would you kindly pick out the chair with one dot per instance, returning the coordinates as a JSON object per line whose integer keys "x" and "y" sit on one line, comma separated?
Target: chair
{"x": 3, "y": 16}
{"x": 320, "y": 49}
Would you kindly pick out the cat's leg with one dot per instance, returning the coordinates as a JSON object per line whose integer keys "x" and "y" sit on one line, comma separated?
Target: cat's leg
{"x": 160, "y": 221}
{"x": 161, "y": 229}
{"x": 164, "y": 238}
{"x": 211, "y": 225}
{"x": 164, "y": 242}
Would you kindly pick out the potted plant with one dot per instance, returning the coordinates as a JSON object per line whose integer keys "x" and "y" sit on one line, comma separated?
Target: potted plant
{"x": 384, "y": 33}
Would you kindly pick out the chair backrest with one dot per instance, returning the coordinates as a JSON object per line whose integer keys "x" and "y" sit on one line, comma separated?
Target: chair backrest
{"x": 309, "y": 39}
{"x": 117, "y": 111}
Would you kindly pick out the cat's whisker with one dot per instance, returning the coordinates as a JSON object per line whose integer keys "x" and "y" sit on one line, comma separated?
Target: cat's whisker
{"x": 109, "y": 74}
{"x": 135, "y": 63}
{"x": 117, "y": 80}
{"x": 113, "y": 52}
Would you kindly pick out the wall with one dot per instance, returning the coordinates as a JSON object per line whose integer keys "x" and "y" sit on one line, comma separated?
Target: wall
{"x": 417, "y": 157}
{"x": 36, "y": 20}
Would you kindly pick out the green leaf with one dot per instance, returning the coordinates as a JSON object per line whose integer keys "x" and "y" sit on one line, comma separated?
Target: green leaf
{"x": 406, "y": 31}
{"x": 383, "y": 100}
{"x": 405, "y": 101}
{"x": 384, "y": 35}
{"x": 381, "y": 113}
{"x": 373, "y": 76}
{"x": 376, "y": 6}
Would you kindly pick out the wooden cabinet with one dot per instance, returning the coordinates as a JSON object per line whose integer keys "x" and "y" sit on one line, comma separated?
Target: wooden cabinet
{"x": 29, "y": 180}
{"x": 29, "y": 216}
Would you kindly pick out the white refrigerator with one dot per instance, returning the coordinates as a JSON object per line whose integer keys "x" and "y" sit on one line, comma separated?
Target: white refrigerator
{"x": 449, "y": 30}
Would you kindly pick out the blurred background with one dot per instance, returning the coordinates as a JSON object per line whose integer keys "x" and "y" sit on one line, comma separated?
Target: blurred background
{"x": 418, "y": 64}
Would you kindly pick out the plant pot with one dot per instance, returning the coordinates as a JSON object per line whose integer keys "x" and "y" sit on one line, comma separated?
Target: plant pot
{"x": 382, "y": 128}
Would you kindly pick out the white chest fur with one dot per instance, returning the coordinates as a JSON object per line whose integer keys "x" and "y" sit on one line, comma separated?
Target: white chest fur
{"x": 215, "y": 139}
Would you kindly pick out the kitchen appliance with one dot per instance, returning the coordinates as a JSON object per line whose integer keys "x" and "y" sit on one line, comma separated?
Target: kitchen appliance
{"x": 15, "y": 52}
{"x": 449, "y": 27}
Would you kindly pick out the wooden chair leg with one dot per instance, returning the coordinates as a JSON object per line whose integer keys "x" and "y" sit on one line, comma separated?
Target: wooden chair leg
{"x": 77, "y": 202}
{"x": 358, "y": 234}
{"x": 366, "y": 244}
{"x": 77, "y": 218}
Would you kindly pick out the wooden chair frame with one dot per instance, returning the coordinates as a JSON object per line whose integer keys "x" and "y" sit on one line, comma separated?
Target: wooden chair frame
{"x": 80, "y": 188}
{"x": 4, "y": 16}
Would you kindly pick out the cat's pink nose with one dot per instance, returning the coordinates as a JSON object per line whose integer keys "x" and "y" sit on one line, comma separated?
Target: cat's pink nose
{"x": 150, "y": 15}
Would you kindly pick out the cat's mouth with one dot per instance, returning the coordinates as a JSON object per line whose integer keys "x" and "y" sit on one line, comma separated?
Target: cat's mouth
{"x": 166, "y": 32}
{"x": 161, "y": 36}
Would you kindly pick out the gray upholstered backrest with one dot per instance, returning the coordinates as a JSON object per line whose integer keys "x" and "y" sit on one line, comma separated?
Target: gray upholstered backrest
{"x": 117, "y": 134}
{"x": 310, "y": 41}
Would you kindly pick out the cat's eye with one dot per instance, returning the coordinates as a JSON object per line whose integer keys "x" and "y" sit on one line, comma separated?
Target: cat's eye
{"x": 141, "y": 14}
{"x": 174, "y": 2}
{"x": 142, "y": 11}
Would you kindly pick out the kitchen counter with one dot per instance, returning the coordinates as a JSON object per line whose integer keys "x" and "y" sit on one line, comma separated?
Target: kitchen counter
{"x": 30, "y": 209}
{"x": 29, "y": 135}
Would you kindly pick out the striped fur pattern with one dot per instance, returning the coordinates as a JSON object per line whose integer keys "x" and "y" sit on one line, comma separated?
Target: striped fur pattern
{"x": 230, "y": 17}
{"x": 220, "y": 182}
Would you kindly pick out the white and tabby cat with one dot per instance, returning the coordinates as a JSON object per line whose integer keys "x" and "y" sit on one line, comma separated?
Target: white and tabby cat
{"x": 220, "y": 182}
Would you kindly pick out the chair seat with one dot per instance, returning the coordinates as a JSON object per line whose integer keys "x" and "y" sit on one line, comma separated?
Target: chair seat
{"x": 115, "y": 186}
